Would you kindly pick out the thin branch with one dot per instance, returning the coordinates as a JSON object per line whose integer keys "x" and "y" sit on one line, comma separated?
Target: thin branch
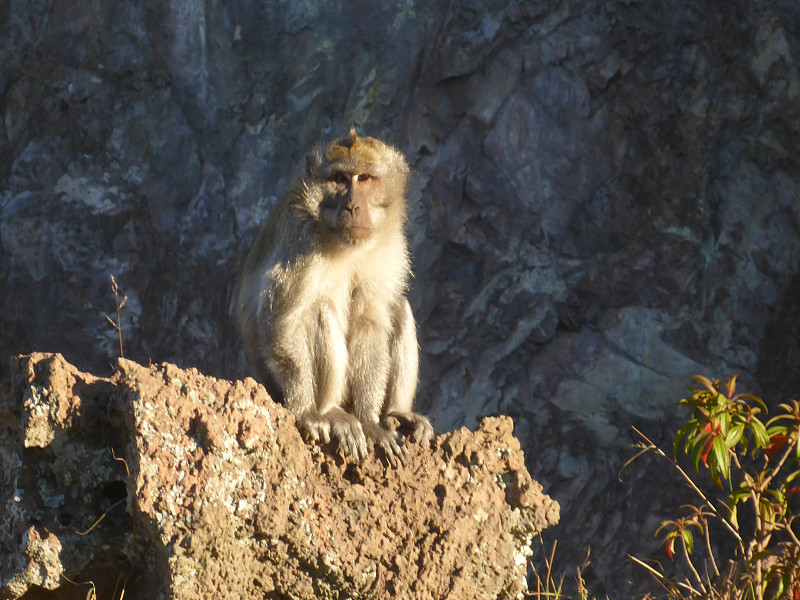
{"x": 691, "y": 566}
{"x": 641, "y": 563}
{"x": 708, "y": 546}
{"x": 692, "y": 485}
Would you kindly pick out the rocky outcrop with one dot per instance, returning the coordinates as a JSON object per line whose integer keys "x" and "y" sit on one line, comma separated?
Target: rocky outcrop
{"x": 604, "y": 202}
{"x": 208, "y": 491}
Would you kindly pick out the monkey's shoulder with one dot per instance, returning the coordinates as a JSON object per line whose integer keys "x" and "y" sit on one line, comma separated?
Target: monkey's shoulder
{"x": 280, "y": 241}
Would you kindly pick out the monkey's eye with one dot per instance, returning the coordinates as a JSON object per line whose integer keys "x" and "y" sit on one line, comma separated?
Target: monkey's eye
{"x": 364, "y": 177}
{"x": 340, "y": 178}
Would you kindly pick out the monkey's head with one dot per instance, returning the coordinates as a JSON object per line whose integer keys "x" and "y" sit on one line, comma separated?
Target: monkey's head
{"x": 360, "y": 186}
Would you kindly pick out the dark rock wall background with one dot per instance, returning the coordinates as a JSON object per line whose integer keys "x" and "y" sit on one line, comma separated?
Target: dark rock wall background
{"x": 605, "y": 202}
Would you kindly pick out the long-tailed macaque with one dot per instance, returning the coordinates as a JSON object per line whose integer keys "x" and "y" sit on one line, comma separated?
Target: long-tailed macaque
{"x": 322, "y": 305}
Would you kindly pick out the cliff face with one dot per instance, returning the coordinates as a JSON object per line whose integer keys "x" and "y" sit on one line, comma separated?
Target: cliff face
{"x": 604, "y": 201}
{"x": 213, "y": 494}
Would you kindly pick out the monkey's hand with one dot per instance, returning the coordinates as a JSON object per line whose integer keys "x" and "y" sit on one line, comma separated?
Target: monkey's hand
{"x": 348, "y": 432}
{"x": 316, "y": 426}
{"x": 420, "y": 426}
{"x": 339, "y": 425}
{"x": 388, "y": 441}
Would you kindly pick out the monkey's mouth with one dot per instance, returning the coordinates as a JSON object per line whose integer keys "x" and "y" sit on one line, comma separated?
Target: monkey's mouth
{"x": 357, "y": 232}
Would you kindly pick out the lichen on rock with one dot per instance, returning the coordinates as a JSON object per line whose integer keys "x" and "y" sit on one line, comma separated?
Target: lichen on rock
{"x": 225, "y": 498}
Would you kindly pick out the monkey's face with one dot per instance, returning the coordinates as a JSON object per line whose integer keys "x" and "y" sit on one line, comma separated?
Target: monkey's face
{"x": 358, "y": 186}
{"x": 353, "y": 205}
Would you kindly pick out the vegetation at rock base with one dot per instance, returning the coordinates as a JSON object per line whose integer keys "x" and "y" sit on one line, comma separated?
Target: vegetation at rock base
{"x": 754, "y": 463}
{"x": 741, "y": 539}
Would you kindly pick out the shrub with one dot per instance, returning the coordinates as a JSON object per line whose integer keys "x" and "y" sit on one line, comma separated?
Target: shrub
{"x": 756, "y": 465}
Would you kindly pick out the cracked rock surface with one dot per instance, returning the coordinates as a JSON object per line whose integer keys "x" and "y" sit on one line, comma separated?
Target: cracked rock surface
{"x": 219, "y": 497}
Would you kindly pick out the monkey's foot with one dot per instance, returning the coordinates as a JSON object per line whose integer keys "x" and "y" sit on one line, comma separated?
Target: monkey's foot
{"x": 419, "y": 425}
{"x": 387, "y": 440}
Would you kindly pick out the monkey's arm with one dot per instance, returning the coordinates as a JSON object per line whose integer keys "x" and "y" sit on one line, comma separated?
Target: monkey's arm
{"x": 404, "y": 367}
{"x": 369, "y": 372}
{"x": 307, "y": 359}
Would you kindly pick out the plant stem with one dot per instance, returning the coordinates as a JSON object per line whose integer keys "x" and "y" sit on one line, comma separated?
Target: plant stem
{"x": 691, "y": 566}
{"x": 692, "y": 485}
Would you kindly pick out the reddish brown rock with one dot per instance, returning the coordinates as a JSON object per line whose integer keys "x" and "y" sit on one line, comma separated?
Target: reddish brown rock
{"x": 228, "y": 501}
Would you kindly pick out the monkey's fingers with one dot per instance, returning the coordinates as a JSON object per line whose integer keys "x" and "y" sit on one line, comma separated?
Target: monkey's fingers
{"x": 318, "y": 435}
{"x": 351, "y": 447}
{"x": 389, "y": 442}
{"x": 317, "y": 427}
{"x": 397, "y": 449}
{"x": 394, "y": 450}
{"x": 420, "y": 426}
{"x": 363, "y": 447}
{"x": 352, "y": 440}
{"x": 323, "y": 432}
{"x": 423, "y": 431}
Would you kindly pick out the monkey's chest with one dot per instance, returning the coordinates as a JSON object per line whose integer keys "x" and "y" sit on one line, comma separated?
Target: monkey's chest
{"x": 337, "y": 293}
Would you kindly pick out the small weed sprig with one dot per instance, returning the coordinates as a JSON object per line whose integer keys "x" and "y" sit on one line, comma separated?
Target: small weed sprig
{"x": 120, "y": 305}
{"x": 759, "y": 465}
{"x": 548, "y": 588}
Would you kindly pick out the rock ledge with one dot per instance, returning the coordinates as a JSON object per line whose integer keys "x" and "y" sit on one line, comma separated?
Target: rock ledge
{"x": 219, "y": 497}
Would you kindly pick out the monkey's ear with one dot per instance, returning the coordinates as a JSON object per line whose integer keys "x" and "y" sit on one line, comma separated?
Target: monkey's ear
{"x": 353, "y": 136}
{"x": 313, "y": 161}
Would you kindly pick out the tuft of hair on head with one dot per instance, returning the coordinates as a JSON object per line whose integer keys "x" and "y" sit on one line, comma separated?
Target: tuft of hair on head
{"x": 352, "y": 146}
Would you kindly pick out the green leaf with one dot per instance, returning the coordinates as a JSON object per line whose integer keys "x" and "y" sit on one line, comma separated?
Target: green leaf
{"x": 743, "y": 445}
{"x": 734, "y": 435}
{"x": 760, "y": 556}
{"x": 766, "y": 512}
{"x": 741, "y": 493}
{"x": 720, "y": 454}
{"x": 791, "y": 477}
{"x": 706, "y": 383}
{"x": 755, "y": 399}
{"x": 772, "y": 429}
{"x": 779, "y": 589}
{"x": 680, "y": 435}
{"x": 714, "y": 472}
{"x": 688, "y": 540}
{"x": 724, "y": 422}
{"x": 733, "y": 515}
{"x": 779, "y": 498}
{"x": 759, "y": 433}
{"x": 698, "y": 444}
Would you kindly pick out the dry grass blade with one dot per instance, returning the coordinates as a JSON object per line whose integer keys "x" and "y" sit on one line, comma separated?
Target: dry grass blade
{"x": 120, "y": 305}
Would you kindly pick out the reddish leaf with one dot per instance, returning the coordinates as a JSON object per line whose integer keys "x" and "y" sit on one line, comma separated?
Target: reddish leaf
{"x": 732, "y": 386}
{"x": 776, "y": 442}
{"x": 707, "y": 450}
{"x": 670, "y": 547}
{"x": 793, "y": 491}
